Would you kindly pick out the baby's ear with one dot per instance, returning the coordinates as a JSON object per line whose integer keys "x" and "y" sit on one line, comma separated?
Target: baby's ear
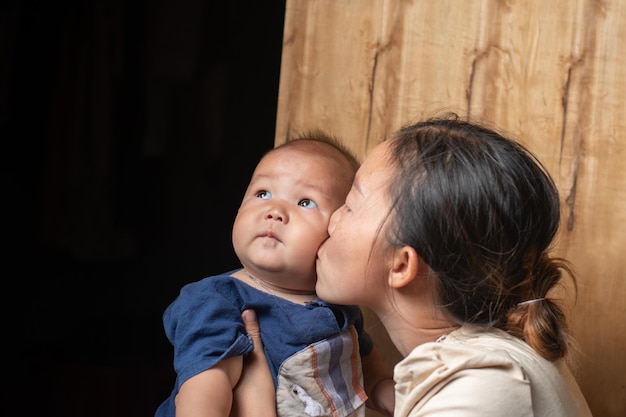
{"x": 404, "y": 266}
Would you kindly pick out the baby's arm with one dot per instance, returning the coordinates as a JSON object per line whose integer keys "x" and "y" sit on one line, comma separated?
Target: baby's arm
{"x": 379, "y": 384}
{"x": 210, "y": 393}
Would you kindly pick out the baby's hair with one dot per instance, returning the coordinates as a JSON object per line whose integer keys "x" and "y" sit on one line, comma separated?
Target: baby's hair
{"x": 482, "y": 212}
{"x": 319, "y": 135}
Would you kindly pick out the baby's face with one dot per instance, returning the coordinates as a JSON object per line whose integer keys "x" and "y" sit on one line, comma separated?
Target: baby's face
{"x": 284, "y": 215}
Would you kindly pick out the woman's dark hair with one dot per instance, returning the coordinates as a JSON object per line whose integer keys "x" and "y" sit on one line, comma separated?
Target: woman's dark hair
{"x": 482, "y": 212}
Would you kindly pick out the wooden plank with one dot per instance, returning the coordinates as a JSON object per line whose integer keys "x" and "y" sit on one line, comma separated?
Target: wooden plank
{"x": 551, "y": 74}
{"x": 326, "y": 68}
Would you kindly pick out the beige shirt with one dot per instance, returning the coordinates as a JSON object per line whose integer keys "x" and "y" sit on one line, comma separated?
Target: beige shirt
{"x": 482, "y": 373}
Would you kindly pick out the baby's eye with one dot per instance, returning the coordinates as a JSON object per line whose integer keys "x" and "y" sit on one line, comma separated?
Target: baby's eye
{"x": 306, "y": 203}
{"x": 266, "y": 195}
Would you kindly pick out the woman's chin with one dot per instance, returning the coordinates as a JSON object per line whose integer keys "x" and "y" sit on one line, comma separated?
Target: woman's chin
{"x": 322, "y": 293}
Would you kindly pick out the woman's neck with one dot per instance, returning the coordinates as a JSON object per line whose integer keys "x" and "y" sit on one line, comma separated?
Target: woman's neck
{"x": 415, "y": 327}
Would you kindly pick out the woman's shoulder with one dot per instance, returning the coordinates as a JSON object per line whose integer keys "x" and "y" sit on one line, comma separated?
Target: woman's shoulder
{"x": 469, "y": 361}
{"x": 469, "y": 348}
{"x": 473, "y": 347}
{"x": 455, "y": 376}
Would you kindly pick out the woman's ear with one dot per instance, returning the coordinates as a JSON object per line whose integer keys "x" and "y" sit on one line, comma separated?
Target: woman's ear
{"x": 405, "y": 264}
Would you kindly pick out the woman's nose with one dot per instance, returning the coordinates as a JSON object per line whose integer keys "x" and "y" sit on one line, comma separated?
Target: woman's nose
{"x": 334, "y": 218}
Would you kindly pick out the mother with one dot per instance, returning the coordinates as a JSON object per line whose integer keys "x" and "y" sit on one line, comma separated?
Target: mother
{"x": 445, "y": 236}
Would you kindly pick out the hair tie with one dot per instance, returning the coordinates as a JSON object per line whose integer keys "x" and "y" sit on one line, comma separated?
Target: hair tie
{"x": 534, "y": 300}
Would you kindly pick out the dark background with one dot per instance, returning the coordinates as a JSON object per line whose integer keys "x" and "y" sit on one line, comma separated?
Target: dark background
{"x": 130, "y": 130}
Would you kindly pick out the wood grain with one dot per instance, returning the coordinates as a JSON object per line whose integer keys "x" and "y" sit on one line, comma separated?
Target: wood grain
{"x": 550, "y": 74}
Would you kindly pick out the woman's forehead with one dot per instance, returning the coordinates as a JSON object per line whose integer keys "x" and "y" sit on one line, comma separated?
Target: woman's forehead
{"x": 378, "y": 159}
{"x": 375, "y": 172}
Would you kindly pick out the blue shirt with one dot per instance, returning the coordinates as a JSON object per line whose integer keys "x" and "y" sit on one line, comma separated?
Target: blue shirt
{"x": 204, "y": 325}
